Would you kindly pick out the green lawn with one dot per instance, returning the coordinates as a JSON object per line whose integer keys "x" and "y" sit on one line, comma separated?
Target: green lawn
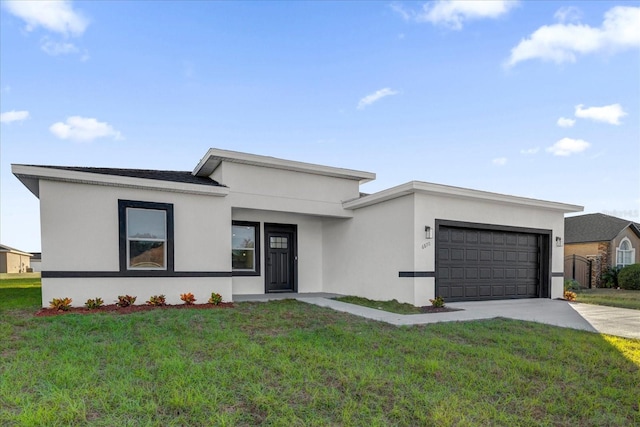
{"x": 611, "y": 297}
{"x": 292, "y": 364}
{"x": 392, "y": 306}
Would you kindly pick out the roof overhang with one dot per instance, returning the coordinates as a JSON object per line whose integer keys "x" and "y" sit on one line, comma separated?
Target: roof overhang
{"x": 418, "y": 187}
{"x": 215, "y": 157}
{"x": 14, "y": 251}
{"x": 30, "y": 176}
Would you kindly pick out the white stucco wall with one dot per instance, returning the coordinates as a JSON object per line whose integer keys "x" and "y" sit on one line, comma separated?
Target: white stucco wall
{"x": 262, "y": 188}
{"x": 80, "y": 232}
{"x": 310, "y": 241}
{"x": 363, "y": 255}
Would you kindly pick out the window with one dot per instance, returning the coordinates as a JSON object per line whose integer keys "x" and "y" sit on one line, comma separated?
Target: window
{"x": 146, "y": 235}
{"x": 245, "y": 248}
{"x": 625, "y": 253}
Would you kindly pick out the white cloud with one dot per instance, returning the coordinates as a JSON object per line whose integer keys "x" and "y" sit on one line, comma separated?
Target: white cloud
{"x": 405, "y": 14}
{"x": 455, "y": 13}
{"x": 563, "y": 122}
{"x": 500, "y": 161}
{"x": 530, "y": 150}
{"x": 14, "y": 116}
{"x": 54, "y": 48}
{"x": 83, "y": 129}
{"x": 609, "y": 113}
{"x": 54, "y": 15}
{"x": 376, "y": 96}
{"x": 568, "y": 14}
{"x": 562, "y": 42}
{"x": 568, "y": 146}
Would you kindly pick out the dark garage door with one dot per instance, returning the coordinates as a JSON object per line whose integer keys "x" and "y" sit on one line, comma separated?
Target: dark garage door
{"x": 476, "y": 264}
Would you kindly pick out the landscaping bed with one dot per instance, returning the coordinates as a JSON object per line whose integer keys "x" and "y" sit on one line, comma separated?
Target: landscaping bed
{"x": 113, "y": 308}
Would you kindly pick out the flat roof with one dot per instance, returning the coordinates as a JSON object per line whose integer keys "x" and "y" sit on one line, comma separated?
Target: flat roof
{"x": 419, "y": 187}
{"x": 215, "y": 156}
{"x": 177, "y": 181}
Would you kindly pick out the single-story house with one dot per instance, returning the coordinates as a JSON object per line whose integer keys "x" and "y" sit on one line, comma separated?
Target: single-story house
{"x": 599, "y": 241}
{"x": 13, "y": 260}
{"x": 248, "y": 224}
{"x": 36, "y": 262}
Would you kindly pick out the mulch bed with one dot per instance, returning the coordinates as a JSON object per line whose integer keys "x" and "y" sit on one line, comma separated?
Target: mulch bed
{"x": 112, "y": 308}
{"x": 432, "y": 309}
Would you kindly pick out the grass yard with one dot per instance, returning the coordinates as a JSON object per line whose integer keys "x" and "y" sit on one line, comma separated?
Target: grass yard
{"x": 288, "y": 363}
{"x": 611, "y": 297}
{"x": 392, "y": 306}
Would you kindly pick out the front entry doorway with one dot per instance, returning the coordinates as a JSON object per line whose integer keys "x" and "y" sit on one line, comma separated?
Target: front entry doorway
{"x": 281, "y": 256}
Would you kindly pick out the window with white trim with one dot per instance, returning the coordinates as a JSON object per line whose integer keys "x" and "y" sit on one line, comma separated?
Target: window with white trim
{"x": 625, "y": 253}
{"x": 146, "y": 235}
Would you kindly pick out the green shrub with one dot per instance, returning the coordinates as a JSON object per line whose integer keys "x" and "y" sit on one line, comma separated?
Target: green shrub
{"x": 437, "y": 302}
{"x": 157, "y": 300}
{"x": 215, "y": 299}
{"x": 125, "y": 300}
{"x": 572, "y": 285}
{"x": 63, "y": 304}
{"x": 629, "y": 277}
{"x": 94, "y": 303}
{"x": 610, "y": 277}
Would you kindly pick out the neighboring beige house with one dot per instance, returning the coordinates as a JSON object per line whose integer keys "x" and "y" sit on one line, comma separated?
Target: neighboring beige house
{"x": 242, "y": 223}
{"x": 14, "y": 261}
{"x": 601, "y": 241}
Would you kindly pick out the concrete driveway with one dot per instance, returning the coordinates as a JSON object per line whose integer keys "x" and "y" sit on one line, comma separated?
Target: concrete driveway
{"x": 622, "y": 322}
{"x": 587, "y": 317}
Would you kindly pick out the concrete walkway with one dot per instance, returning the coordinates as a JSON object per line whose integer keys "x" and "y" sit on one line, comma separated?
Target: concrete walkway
{"x": 586, "y": 317}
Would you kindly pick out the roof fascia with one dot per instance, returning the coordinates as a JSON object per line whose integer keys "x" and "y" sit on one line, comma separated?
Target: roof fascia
{"x": 15, "y": 251}
{"x": 418, "y": 187}
{"x": 214, "y": 157}
{"x": 31, "y": 175}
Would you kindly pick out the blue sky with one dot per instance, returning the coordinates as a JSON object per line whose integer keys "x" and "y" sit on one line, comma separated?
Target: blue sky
{"x": 536, "y": 99}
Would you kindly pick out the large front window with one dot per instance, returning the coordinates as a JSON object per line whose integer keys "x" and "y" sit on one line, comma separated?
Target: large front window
{"x": 146, "y": 238}
{"x": 146, "y": 235}
{"x": 245, "y": 248}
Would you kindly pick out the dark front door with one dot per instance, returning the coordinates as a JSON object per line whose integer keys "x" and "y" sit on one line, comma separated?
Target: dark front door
{"x": 280, "y": 257}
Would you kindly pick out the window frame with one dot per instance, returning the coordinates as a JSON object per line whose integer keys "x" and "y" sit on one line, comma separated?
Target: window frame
{"x": 123, "y": 205}
{"x": 256, "y": 249}
{"x": 621, "y": 254}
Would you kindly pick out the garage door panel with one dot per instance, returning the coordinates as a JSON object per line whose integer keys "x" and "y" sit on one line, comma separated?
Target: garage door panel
{"x": 457, "y": 273}
{"x": 457, "y": 254}
{"x": 484, "y": 290}
{"x": 470, "y": 291}
{"x": 486, "y": 264}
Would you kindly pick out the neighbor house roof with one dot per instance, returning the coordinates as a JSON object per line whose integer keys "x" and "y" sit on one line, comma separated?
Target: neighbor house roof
{"x": 595, "y": 227}
{"x": 179, "y": 181}
{"x": 5, "y": 248}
